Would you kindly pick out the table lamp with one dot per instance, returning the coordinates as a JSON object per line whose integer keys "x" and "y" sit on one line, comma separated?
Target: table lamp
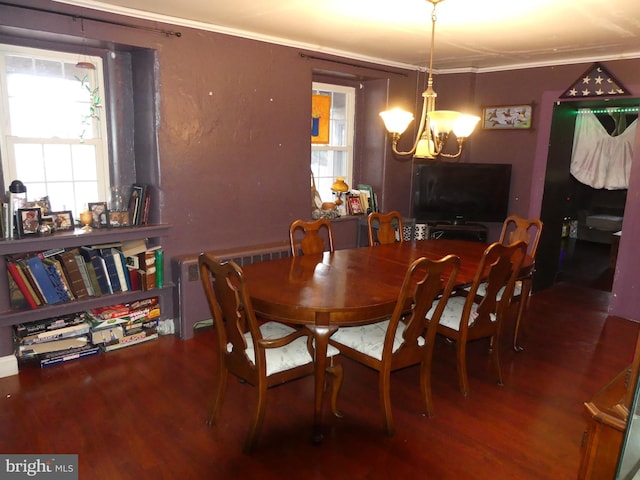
{"x": 339, "y": 187}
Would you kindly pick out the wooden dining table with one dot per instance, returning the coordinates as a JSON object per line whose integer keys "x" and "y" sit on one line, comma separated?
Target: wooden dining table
{"x": 348, "y": 287}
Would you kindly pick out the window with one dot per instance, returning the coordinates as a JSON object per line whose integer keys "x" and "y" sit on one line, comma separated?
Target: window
{"x": 53, "y": 126}
{"x": 335, "y": 159}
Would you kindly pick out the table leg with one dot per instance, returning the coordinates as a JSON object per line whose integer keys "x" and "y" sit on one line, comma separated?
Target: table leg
{"x": 321, "y": 334}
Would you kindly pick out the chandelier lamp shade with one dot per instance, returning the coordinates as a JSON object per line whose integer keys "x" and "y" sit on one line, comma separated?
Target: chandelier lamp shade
{"x": 435, "y": 125}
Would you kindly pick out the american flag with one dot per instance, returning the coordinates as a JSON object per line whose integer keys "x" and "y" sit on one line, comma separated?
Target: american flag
{"x": 594, "y": 83}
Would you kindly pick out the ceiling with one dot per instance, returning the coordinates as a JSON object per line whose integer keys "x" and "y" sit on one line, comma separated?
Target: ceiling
{"x": 471, "y": 35}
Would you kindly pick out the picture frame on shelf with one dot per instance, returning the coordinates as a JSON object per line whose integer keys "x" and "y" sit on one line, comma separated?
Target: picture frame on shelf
{"x": 43, "y": 204}
{"x": 355, "y": 205}
{"x": 100, "y": 214}
{"x": 62, "y": 220}
{"x": 28, "y": 221}
{"x": 507, "y": 117}
{"x": 119, "y": 219}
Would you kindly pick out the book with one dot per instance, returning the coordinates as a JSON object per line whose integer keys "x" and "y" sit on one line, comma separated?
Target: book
{"x": 159, "y": 261}
{"x": 84, "y": 273}
{"x": 74, "y": 276}
{"x": 22, "y": 283}
{"x": 16, "y": 298}
{"x": 134, "y": 247}
{"x": 112, "y": 272}
{"x": 58, "y": 279}
{"x": 91, "y": 256}
{"x": 147, "y": 262}
{"x": 24, "y": 268}
{"x": 42, "y": 279}
{"x": 121, "y": 267}
{"x": 367, "y": 190}
{"x": 136, "y": 203}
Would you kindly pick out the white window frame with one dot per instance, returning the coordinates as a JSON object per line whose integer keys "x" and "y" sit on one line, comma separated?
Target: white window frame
{"x": 98, "y": 140}
{"x": 349, "y": 134}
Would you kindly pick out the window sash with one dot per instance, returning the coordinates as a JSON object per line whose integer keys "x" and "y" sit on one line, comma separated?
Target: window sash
{"x": 70, "y": 167}
{"x": 335, "y": 159}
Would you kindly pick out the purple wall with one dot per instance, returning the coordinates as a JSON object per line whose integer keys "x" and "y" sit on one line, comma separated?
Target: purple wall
{"x": 233, "y": 131}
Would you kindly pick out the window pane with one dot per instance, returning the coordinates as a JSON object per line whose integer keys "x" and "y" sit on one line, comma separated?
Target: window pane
{"x": 85, "y": 193}
{"x": 29, "y": 163}
{"x": 57, "y": 162}
{"x": 84, "y": 162}
{"x": 61, "y": 196}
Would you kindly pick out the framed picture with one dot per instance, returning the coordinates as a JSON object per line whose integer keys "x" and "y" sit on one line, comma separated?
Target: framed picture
{"x": 100, "y": 214}
{"x": 28, "y": 221}
{"x": 320, "y": 112}
{"x": 62, "y": 220}
{"x": 43, "y": 204}
{"x": 119, "y": 219}
{"x": 507, "y": 117}
{"x": 354, "y": 205}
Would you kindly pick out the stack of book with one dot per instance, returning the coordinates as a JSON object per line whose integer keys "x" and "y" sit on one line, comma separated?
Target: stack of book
{"x": 139, "y": 204}
{"x": 54, "y": 340}
{"x": 124, "y": 325}
{"x": 63, "y": 275}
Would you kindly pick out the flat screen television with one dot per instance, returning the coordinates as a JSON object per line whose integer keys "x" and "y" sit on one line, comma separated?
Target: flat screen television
{"x": 446, "y": 192}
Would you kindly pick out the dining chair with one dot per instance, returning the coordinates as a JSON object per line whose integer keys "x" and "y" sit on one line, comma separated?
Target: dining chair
{"x": 404, "y": 339}
{"x": 306, "y": 237}
{"x": 528, "y": 230}
{"x": 264, "y": 354}
{"x": 385, "y": 228}
{"x": 468, "y": 317}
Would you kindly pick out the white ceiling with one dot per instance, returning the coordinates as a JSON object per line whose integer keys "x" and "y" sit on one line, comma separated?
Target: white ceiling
{"x": 471, "y": 35}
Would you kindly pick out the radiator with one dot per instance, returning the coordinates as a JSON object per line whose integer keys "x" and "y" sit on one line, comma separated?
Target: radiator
{"x": 191, "y": 303}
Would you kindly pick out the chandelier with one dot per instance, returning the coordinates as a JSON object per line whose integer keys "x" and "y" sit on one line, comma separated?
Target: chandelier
{"x": 435, "y": 125}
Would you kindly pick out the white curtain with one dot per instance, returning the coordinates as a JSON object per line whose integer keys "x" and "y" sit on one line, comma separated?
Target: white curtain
{"x": 598, "y": 159}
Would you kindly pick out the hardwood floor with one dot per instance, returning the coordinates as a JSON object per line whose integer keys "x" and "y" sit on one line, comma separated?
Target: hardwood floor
{"x": 139, "y": 413}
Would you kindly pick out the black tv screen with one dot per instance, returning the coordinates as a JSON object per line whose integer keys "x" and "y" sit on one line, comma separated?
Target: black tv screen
{"x": 461, "y": 192}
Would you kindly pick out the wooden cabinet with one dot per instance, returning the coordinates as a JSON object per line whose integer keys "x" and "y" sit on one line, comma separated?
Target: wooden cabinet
{"x": 9, "y": 317}
{"x": 608, "y": 416}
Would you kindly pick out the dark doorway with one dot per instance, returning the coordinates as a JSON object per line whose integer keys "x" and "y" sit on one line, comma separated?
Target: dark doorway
{"x": 585, "y": 260}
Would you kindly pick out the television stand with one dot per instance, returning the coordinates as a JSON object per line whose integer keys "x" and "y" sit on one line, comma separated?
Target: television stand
{"x": 475, "y": 232}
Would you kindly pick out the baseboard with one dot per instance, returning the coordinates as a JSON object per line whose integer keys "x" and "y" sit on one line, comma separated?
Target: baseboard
{"x": 8, "y": 366}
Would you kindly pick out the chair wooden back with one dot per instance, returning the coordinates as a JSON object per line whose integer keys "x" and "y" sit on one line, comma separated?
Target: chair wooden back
{"x": 233, "y": 315}
{"x": 527, "y": 230}
{"x": 499, "y": 268}
{"x": 306, "y": 237}
{"x": 425, "y": 282}
{"x": 389, "y": 228}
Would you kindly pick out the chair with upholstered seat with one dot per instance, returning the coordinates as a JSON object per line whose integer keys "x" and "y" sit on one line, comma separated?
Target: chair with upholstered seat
{"x": 385, "y": 228}
{"x": 308, "y": 238}
{"x": 406, "y": 338}
{"x": 528, "y": 230}
{"x": 262, "y": 355}
{"x": 468, "y": 317}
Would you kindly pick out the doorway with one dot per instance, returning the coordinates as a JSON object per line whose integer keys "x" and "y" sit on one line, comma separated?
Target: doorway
{"x": 569, "y": 258}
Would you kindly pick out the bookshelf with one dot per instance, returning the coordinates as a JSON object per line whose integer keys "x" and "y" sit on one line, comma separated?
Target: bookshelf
{"x": 70, "y": 239}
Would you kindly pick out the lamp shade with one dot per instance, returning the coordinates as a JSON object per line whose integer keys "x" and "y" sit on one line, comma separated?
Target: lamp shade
{"x": 464, "y": 125}
{"x": 339, "y": 186}
{"x": 442, "y": 121}
{"x": 396, "y": 120}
